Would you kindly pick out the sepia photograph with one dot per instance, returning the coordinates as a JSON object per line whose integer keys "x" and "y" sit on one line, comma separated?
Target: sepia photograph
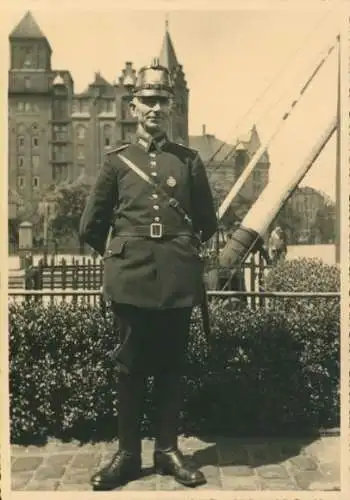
{"x": 176, "y": 194}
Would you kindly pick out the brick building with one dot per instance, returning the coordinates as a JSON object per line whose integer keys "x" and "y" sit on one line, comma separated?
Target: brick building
{"x": 57, "y": 135}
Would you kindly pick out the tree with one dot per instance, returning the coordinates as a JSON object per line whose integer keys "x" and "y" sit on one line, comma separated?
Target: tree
{"x": 324, "y": 224}
{"x": 290, "y": 221}
{"x": 69, "y": 200}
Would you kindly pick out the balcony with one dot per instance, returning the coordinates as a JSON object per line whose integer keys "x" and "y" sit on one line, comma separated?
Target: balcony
{"x": 61, "y": 161}
{"x": 60, "y": 140}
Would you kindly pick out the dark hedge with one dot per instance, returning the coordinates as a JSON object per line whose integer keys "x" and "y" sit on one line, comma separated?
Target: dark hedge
{"x": 263, "y": 372}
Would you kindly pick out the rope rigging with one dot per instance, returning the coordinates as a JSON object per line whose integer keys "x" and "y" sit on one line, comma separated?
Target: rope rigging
{"x": 270, "y": 85}
{"x": 248, "y": 169}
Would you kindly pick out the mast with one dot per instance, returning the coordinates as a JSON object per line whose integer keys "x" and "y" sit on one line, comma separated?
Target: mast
{"x": 255, "y": 224}
{"x": 253, "y": 162}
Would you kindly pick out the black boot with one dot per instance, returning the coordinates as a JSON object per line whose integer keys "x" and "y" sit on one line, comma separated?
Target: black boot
{"x": 167, "y": 458}
{"x": 123, "y": 468}
{"x": 126, "y": 463}
{"x": 172, "y": 463}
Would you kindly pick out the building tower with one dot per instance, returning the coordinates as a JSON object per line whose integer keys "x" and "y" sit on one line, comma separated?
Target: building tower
{"x": 39, "y": 138}
{"x": 178, "y": 127}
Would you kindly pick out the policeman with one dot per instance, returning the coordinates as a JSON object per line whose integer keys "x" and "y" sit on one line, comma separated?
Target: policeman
{"x": 156, "y": 197}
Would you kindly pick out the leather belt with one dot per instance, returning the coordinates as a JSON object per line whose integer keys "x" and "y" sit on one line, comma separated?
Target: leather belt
{"x": 155, "y": 230}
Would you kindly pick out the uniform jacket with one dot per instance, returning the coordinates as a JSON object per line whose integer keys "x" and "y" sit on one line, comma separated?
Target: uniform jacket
{"x": 138, "y": 270}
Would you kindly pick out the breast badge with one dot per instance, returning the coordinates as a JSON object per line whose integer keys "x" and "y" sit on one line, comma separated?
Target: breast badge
{"x": 171, "y": 182}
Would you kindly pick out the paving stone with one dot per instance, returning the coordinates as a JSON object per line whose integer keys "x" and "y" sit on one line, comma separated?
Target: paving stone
{"x": 20, "y": 480}
{"x": 23, "y": 464}
{"x": 304, "y": 462}
{"x": 58, "y": 460}
{"x": 282, "y": 450}
{"x": 326, "y": 449}
{"x": 76, "y": 477}
{"x": 148, "y": 483}
{"x": 272, "y": 472}
{"x": 233, "y": 456}
{"x": 278, "y": 485}
{"x": 212, "y": 474}
{"x": 324, "y": 486}
{"x": 111, "y": 446}
{"x": 85, "y": 461}
{"x": 44, "y": 473}
{"x": 237, "y": 470}
{"x": 18, "y": 450}
{"x": 258, "y": 454}
{"x": 315, "y": 466}
{"x": 168, "y": 483}
{"x": 305, "y": 478}
{"x": 74, "y": 487}
{"x": 331, "y": 472}
{"x": 43, "y": 485}
{"x": 244, "y": 483}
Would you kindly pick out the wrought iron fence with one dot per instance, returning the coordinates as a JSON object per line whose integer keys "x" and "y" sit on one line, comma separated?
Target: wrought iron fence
{"x": 268, "y": 300}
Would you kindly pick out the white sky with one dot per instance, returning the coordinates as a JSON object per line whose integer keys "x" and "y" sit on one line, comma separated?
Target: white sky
{"x": 229, "y": 58}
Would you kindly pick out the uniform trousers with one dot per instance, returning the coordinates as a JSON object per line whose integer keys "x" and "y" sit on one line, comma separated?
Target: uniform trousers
{"x": 151, "y": 343}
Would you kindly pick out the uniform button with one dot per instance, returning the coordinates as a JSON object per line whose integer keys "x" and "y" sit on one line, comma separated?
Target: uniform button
{"x": 152, "y": 155}
{"x": 153, "y": 163}
{"x": 157, "y": 219}
{"x": 154, "y": 174}
{"x": 156, "y": 207}
{"x": 154, "y": 196}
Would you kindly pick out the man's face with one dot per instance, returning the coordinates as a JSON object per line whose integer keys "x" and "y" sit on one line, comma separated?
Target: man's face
{"x": 152, "y": 112}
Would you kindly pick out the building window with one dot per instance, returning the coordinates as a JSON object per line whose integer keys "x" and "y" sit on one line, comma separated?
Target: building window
{"x": 27, "y": 106}
{"x": 35, "y": 182}
{"x": 80, "y": 106}
{"x": 35, "y": 127}
{"x": 80, "y": 132}
{"x": 27, "y": 82}
{"x": 20, "y": 182}
{"x": 80, "y": 154}
{"x": 20, "y": 161}
{"x": 59, "y": 109}
{"x": 60, "y": 133}
{"x": 20, "y": 142}
{"x": 35, "y": 142}
{"x": 58, "y": 153}
{"x": 59, "y": 173}
{"x": 84, "y": 106}
{"x": 107, "y": 106}
{"x": 28, "y": 58}
{"x": 126, "y": 113}
{"x": 107, "y": 135}
{"x": 20, "y": 106}
{"x": 129, "y": 133}
{"x": 36, "y": 162}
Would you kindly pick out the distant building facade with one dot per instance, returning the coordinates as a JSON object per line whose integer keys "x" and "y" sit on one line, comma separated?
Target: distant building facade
{"x": 57, "y": 135}
{"x": 226, "y": 162}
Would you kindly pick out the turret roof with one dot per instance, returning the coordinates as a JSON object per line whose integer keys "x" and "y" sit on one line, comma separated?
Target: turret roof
{"x": 167, "y": 56}
{"x": 27, "y": 28}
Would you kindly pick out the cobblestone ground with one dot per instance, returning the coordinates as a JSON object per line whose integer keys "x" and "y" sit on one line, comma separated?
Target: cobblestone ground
{"x": 228, "y": 464}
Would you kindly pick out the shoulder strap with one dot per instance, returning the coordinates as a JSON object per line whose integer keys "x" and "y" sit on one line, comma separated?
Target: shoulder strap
{"x": 173, "y": 203}
{"x": 121, "y": 147}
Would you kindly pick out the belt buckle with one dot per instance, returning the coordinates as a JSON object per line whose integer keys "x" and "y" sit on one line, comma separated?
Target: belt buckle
{"x": 156, "y": 230}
